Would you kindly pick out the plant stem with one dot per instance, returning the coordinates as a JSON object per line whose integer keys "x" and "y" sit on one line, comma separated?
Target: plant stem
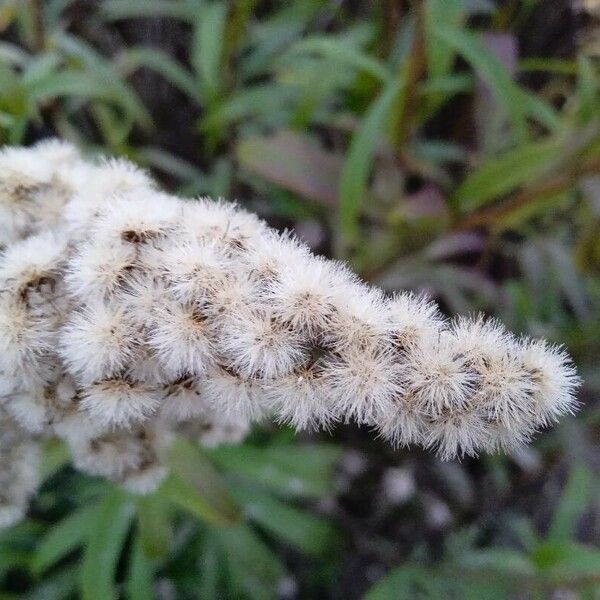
{"x": 37, "y": 24}
{"x": 415, "y": 68}
{"x": 560, "y": 183}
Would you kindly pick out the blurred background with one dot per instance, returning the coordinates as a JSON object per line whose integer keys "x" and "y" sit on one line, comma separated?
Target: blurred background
{"x": 445, "y": 146}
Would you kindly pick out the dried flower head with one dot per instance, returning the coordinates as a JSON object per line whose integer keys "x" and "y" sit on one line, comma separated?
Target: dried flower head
{"x": 126, "y": 314}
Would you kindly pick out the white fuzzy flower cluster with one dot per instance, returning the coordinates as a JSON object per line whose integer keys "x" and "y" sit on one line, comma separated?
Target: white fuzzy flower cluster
{"x": 126, "y": 313}
{"x": 19, "y": 478}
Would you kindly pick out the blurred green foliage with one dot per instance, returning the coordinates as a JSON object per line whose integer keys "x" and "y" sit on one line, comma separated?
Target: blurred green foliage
{"x": 435, "y": 145}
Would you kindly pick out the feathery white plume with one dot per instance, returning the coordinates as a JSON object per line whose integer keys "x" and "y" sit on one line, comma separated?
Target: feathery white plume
{"x": 126, "y": 314}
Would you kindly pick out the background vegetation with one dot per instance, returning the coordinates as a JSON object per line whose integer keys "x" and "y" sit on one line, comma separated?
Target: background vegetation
{"x": 451, "y": 146}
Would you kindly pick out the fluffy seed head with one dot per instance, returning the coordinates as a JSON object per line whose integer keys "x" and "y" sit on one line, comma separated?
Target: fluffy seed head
{"x": 128, "y": 316}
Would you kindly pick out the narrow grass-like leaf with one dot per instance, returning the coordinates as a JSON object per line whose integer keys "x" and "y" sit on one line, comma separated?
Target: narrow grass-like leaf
{"x": 299, "y": 528}
{"x": 550, "y": 65}
{"x": 64, "y": 537}
{"x": 448, "y": 84}
{"x": 196, "y": 486}
{"x": 344, "y": 53}
{"x": 113, "y": 10}
{"x": 587, "y": 87}
{"x": 163, "y": 64}
{"x": 399, "y": 583}
{"x": 41, "y": 67}
{"x": 538, "y": 109}
{"x": 57, "y": 586}
{"x": 55, "y": 456}
{"x": 504, "y": 562}
{"x": 104, "y": 545}
{"x": 210, "y": 568}
{"x": 288, "y": 470}
{"x": 253, "y": 568}
{"x": 100, "y": 69}
{"x": 172, "y": 165}
{"x": 11, "y": 558}
{"x": 440, "y": 54}
{"x": 140, "y": 574}
{"x": 575, "y": 562}
{"x": 209, "y": 27}
{"x": 261, "y": 99}
{"x": 71, "y": 84}
{"x": 490, "y": 70}
{"x": 154, "y": 525}
{"x": 573, "y": 502}
{"x": 502, "y": 174}
{"x": 357, "y": 167}
{"x": 11, "y": 54}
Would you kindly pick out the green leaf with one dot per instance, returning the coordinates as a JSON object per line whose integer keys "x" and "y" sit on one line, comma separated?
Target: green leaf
{"x": 357, "y": 167}
{"x": 207, "y": 49}
{"x": 551, "y": 65}
{"x": 11, "y": 558}
{"x": 58, "y": 586}
{"x": 398, "y": 583}
{"x": 490, "y": 70}
{"x": 342, "y": 52}
{"x": 587, "y": 89}
{"x": 196, "y": 486}
{"x": 448, "y": 84}
{"x": 99, "y": 69}
{"x": 140, "y": 575}
{"x": 576, "y": 562}
{"x": 503, "y": 562}
{"x": 114, "y": 10}
{"x": 297, "y": 471}
{"x": 166, "y": 66}
{"x": 257, "y": 100}
{"x": 500, "y": 175}
{"x": 173, "y": 165}
{"x": 299, "y": 528}
{"x": 103, "y": 549}
{"x": 573, "y": 502}
{"x": 70, "y": 83}
{"x": 154, "y": 525}
{"x": 13, "y": 55}
{"x": 253, "y": 568}
{"x": 55, "y": 456}
{"x": 439, "y": 151}
{"x": 64, "y": 537}
{"x": 494, "y": 588}
{"x": 41, "y": 67}
{"x": 440, "y": 55}
{"x": 537, "y": 108}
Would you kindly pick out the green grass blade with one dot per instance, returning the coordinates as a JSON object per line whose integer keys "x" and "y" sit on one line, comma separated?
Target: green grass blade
{"x": 357, "y": 167}
{"x": 254, "y": 569}
{"x": 154, "y": 525}
{"x": 296, "y": 471}
{"x": 164, "y": 65}
{"x": 573, "y": 502}
{"x": 502, "y": 174}
{"x": 63, "y": 538}
{"x": 399, "y": 583}
{"x": 140, "y": 575}
{"x": 299, "y": 528}
{"x": 490, "y": 70}
{"x": 342, "y": 52}
{"x": 196, "y": 486}
{"x": 207, "y": 49}
{"x": 105, "y": 542}
{"x": 114, "y": 10}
